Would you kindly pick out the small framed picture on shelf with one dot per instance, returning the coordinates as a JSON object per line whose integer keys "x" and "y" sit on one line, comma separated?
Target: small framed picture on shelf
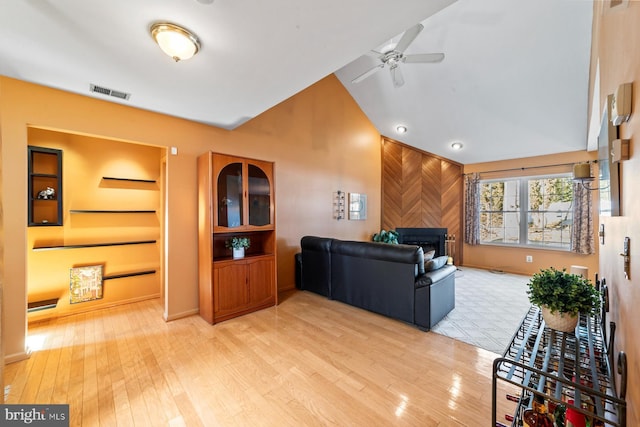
{"x": 85, "y": 283}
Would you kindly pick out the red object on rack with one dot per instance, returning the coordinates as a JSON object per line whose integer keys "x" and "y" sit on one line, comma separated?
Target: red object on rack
{"x": 574, "y": 418}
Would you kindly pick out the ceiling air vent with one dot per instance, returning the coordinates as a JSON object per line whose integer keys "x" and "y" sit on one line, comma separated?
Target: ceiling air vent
{"x": 109, "y": 92}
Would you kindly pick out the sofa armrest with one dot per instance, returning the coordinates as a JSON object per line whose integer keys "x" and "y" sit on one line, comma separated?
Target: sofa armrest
{"x": 435, "y": 275}
{"x": 316, "y": 265}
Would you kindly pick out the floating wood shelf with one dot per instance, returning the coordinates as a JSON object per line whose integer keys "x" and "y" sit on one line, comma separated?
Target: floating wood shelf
{"x": 42, "y": 305}
{"x": 91, "y": 245}
{"x": 150, "y": 181}
{"x": 136, "y": 273}
{"x": 89, "y": 211}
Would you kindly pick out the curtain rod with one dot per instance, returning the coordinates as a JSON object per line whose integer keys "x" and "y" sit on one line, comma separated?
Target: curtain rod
{"x": 530, "y": 167}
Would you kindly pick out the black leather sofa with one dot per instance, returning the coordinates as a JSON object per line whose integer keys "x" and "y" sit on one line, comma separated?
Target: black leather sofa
{"x": 379, "y": 277}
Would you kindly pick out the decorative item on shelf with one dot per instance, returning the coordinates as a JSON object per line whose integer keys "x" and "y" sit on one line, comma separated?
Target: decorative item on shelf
{"x": 47, "y": 194}
{"x": 339, "y": 205}
{"x": 561, "y": 296}
{"x": 538, "y": 415}
{"x": 385, "y": 236}
{"x": 238, "y": 245}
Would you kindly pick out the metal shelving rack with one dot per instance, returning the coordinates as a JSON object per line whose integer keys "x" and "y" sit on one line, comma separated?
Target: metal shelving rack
{"x": 562, "y": 367}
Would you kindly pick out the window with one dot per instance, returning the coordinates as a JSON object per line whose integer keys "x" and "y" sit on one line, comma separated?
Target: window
{"x": 535, "y": 211}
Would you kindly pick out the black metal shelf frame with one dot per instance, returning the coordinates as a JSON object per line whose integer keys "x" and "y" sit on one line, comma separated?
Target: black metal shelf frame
{"x": 560, "y": 367}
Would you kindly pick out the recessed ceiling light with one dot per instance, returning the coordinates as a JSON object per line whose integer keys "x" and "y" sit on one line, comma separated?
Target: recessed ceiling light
{"x": 457, "y": 145}
{"x": 401, "y": 129}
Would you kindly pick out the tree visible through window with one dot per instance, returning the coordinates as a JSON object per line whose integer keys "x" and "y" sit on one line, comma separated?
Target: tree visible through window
{"x": 527, "y": 211}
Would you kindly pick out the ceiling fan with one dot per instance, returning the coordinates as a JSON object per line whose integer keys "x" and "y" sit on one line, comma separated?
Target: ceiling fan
{"x": 393, "y": 57}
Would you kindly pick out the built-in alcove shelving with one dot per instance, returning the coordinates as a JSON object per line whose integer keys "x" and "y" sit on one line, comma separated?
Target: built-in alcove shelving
{"x": 110, "y": 178}
{"x": 92, "y": 245}
{"x": 117, "y": 211}
{"x": 132, "y": 274}
{"x": 110, "y": 216}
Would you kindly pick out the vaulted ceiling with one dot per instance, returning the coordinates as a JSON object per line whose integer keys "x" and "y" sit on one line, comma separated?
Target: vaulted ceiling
{"x": 513, "y": 83}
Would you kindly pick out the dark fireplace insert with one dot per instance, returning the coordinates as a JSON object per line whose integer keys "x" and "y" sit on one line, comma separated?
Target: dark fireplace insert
{"x": 429, "y": 238}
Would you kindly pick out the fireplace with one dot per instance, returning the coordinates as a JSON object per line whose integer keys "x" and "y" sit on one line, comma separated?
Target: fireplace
{"x": 429, "y": 238}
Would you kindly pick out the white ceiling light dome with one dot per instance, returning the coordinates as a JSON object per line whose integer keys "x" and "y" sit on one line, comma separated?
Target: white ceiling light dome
{"x": 174, "y": 40}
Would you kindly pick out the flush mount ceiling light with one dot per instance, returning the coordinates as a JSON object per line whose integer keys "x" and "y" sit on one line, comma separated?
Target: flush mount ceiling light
{"x": 175, "y": 41}
{"x": 457, "y": 146}
{"x": 401, "y": 129}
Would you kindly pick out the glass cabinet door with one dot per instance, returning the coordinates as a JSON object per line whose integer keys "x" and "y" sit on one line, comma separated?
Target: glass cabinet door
{"x": 259, "y": 197}
{"x": 230, "y": 209}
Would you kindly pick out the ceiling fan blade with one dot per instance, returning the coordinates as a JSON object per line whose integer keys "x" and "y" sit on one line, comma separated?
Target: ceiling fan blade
{"x": 396, "y": 76}
{"x": 366, "y": 74}
{"x": 408, "y": 37}
{"x": 423, "y": 57}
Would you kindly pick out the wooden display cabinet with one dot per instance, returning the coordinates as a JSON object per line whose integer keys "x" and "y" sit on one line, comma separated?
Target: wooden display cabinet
{"x": 235, "y": 198}
{"x": 45, "y": 186}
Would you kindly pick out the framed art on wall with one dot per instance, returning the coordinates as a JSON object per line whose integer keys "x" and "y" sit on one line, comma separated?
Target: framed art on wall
{"x": 357, "y": 206}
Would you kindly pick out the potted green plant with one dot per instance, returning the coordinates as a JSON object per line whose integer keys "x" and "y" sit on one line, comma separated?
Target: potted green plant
{"x": 561, "y": 296}
{"x": 238, "y": 245}
{"x": 385, "y": 236}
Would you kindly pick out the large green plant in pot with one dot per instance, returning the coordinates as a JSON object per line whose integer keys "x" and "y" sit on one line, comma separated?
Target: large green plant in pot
{"x": 562, "y": 296}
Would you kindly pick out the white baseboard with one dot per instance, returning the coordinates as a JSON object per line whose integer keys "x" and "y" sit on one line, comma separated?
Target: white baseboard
{"x": 16, "y": 357}
{"x": 175, "y": 316}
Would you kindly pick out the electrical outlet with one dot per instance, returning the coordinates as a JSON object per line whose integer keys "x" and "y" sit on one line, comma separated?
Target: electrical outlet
{"x": 529, "y": 258}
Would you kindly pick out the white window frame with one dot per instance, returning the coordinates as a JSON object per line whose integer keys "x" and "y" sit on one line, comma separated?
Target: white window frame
{"x": 523, "y": 212}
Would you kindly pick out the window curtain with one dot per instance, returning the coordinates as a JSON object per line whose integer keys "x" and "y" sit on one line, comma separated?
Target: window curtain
{"x": 472, "y": 209}
{"x": 582, "y": 239}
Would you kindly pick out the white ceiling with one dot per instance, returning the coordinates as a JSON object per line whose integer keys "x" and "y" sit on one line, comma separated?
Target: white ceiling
{"x": 513, "y": 83}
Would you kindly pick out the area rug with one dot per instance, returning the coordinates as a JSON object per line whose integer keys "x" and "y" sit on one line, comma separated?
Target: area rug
{"x": 489, "y": 308}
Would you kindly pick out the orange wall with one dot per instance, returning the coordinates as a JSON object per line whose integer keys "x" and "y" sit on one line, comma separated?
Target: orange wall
{"x": 319, "y": 140}
{"x": 513, "y": 259}
{"x": 616, "y": 46}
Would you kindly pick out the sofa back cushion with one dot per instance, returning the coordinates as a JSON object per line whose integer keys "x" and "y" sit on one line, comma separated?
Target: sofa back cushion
{"x": 405, "y": 254}
{"x": 366, "y": 279}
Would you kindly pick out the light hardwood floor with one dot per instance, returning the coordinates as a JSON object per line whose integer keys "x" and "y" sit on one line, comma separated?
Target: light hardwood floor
{"x": 307, "y": 362}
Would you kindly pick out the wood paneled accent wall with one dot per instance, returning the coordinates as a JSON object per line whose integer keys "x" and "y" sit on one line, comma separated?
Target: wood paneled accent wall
{"x": 420, "y": 189}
